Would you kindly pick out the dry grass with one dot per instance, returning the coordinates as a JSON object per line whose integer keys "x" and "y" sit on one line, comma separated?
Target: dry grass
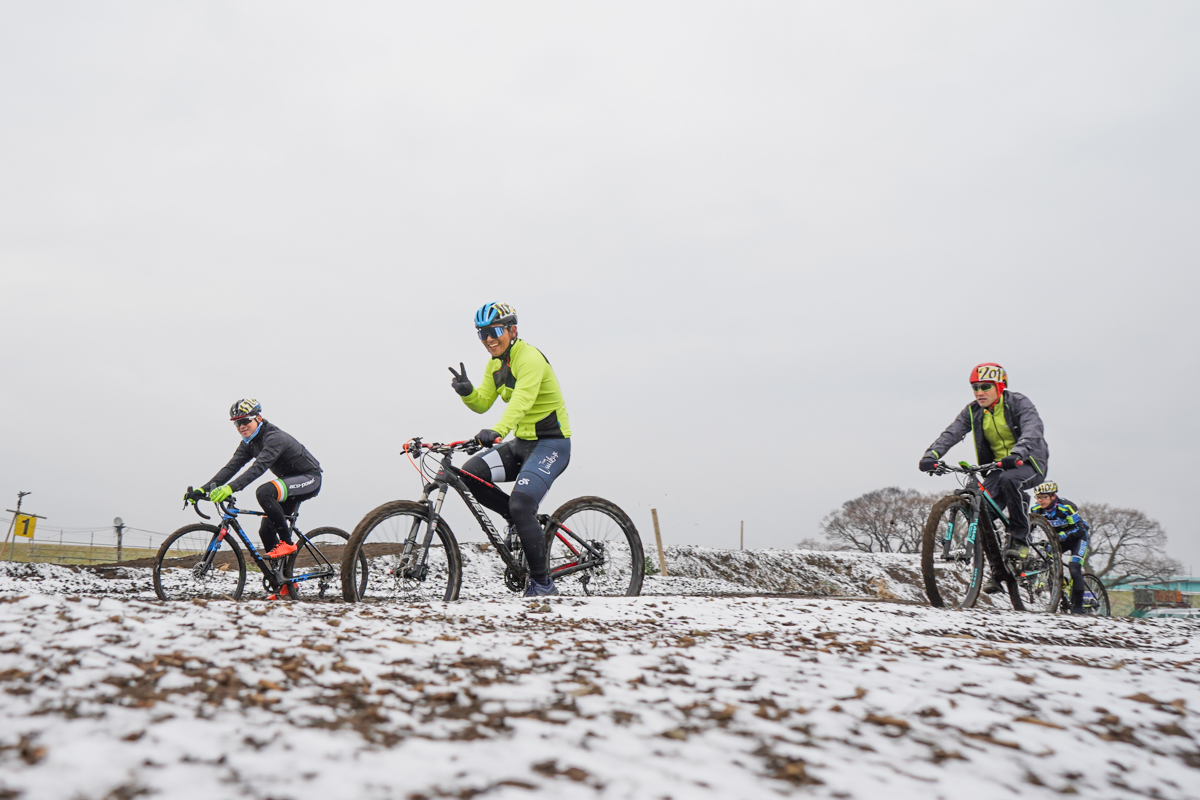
{"x": 71, "y": 553}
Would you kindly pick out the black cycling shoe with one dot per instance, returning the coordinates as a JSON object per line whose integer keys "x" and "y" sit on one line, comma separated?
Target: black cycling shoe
{"x": 538, "y": 589}
{"x": 992, "y": 586}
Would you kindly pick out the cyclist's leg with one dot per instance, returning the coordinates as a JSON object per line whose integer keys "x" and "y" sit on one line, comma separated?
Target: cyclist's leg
{"x": 278, "y": 499}
{"x": 497, "y": 465}
{"x": 547, "y": 460}
{"x": 1008, "y": 488}
{"x": 1077, "y": 545}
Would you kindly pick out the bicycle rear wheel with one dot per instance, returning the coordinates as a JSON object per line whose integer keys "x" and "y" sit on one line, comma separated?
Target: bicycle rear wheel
{"x": 185, "y": 568}
{"x": 593, "y": 548}
{"x": 385, "y": 558}
{"x": 315, "y": 579}
{"x": 1095, "y": 597}
{"x": 951, "y": 555}
{"x": 1039, "y": 577}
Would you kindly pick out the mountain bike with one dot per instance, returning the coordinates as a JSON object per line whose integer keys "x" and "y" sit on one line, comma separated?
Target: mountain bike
{"x": 204, "y": 561}
{"x": 1095, "y": 596}
{"x": 405, "y": 550}
{"x": 962, "y": 529}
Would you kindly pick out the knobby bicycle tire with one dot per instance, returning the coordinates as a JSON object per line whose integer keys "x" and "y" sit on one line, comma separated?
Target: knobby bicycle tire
{"x": 1097, "y": 605}
{"x": 953, "y": 572}
{"x": 607, "y": 530}
{"x": 995, "y": 559}
{"x": 1040, "y": 580}
{"x": 175, "y": 566}
{"x": 378, "y": 542}
{"x": 332, "y": 543}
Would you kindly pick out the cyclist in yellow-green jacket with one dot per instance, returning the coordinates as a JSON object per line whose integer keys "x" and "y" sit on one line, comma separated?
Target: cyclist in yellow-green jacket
{"x": 521, "y": 376}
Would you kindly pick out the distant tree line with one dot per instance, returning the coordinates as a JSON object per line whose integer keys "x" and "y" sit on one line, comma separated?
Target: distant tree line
{"x": 1125, "y": 545}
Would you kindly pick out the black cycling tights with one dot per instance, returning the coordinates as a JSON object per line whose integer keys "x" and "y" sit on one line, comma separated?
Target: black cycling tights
{"x": 534, "y": 465}
{"x": 279, "y": 499}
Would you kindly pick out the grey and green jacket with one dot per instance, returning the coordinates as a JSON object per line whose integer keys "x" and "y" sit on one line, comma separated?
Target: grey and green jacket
{"x": 1023, "y": 420}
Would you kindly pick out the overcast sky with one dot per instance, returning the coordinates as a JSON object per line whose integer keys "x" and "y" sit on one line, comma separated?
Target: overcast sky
{"x": 762, "y": 245}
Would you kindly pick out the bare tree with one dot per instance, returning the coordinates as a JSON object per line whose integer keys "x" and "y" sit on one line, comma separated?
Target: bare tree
{"x": 883, "y": 521}
{"x": 1125, "y": 545}
{"x": 820, "y": 545}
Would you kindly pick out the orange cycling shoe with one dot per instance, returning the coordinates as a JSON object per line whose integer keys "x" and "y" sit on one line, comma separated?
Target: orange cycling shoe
{"x": 285, "y": 592}
{"x": 282, "y": 549}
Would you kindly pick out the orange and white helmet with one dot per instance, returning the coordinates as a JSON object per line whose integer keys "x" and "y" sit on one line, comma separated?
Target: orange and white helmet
{"x": 990, "y": 372}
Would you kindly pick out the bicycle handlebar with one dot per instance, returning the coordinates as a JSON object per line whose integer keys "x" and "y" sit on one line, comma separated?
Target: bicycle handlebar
{"x": 469, "y": 446}
{"x": 225, "y": 505}
{"x": 941, "y": 467}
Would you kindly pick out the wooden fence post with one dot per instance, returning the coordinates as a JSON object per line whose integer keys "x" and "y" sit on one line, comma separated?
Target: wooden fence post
{"x": 662, "y": 559}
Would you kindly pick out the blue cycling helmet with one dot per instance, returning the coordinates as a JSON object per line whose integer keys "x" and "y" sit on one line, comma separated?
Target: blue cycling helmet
{"x": 495, "y": 314}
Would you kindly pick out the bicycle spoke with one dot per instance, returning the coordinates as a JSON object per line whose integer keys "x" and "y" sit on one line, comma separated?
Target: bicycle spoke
{"x": 951, "y": 555}
{"x": 316, "y": 566}
{"x": 184, "y": 568}
{"x": 594, "y": 549}
{"x": 389, "y": 542}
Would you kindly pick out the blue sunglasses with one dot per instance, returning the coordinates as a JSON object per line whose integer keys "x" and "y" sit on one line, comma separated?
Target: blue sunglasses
{"x": 491, "y": 332}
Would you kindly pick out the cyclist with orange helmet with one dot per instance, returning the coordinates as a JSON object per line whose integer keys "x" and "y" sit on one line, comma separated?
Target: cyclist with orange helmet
{"x": 1005, "y": 427}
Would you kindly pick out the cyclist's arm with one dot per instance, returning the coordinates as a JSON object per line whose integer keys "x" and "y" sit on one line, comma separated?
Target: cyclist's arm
{"x": 240, "y": 457}
{"x": 530, "y": 370}
{"x": 484, "y": 395}
{"x": 952, "y": 435}
{"x": 272, "y": 447}
{"x": 1032, "y": 429}
{"x": 1072, "y": 518}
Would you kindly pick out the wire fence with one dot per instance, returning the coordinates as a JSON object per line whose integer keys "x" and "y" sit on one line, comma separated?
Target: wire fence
{"x": 76, "y": 546}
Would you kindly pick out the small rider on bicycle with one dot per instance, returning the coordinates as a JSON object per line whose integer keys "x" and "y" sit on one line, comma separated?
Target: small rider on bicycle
{"x": 299, "y": 475}
{"x": 1072, "y": 530}
{"x": 521, "y": 376}
{"x": 1005, "y": 427}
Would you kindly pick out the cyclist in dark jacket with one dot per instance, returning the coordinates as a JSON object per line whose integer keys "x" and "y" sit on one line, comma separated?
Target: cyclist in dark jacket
{"x": 299, "y": 474}
{"x": 1005, "y": 427}
{"x": 1072, "y": 530}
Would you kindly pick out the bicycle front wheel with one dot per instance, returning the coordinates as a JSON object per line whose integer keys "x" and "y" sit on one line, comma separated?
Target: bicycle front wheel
{"x": 1095, "y": 597}
{"x": 1039, "y": 577}
{"x": 951, "y": 555}
{"x": 316, "y": 568}
{"x": 189, "y": 566}
{"x": 386, "y": 557}
{"x": 593, "y": 548}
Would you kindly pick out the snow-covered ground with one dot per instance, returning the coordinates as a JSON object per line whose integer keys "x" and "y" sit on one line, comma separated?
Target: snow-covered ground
{"x": 693, "y": 570}
{"x": 106, "y": 694}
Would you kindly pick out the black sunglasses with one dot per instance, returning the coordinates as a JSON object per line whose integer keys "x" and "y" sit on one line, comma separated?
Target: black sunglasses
{"x": 240, "y": 421}
{"x": 982, "y": 387}
{"x": 491, "y": 332}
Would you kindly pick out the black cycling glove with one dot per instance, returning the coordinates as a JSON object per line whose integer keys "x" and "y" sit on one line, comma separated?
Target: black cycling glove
{"x": 488, "y": 437}
{"x": 927, "y": 464}
{"x": 461, "y": 383}
{"x": 1011, "y": 461}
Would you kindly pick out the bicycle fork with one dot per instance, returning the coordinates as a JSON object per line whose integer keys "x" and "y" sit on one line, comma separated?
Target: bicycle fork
{"x": 419, "y": 569}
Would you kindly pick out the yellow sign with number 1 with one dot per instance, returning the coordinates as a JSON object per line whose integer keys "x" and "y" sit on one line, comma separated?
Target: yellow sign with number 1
{"x": 24, "y": 526}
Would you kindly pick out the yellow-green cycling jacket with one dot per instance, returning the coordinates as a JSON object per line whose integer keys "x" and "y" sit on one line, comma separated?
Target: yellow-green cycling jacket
{"x": 523, "y": 378}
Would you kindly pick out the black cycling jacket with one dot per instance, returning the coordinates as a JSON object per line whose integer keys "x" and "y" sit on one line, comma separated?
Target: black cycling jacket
{"x": 272, "y": 449}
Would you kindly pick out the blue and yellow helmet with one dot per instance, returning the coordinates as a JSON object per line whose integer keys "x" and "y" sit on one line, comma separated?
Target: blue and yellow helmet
{"x": 495, "y": 314}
